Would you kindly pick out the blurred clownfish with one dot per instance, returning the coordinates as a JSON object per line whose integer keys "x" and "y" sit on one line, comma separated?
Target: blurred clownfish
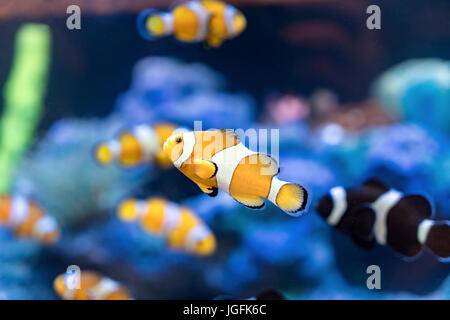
{"x": 27, "y": 219}
{"x": 179, "y": 225}
{"x": 218, "y": 160}
{"x": 92, "y": 286}
{"x": 194, "y": 21}
{"x": 376, "y": 213}
{"x": 143, "y": 143}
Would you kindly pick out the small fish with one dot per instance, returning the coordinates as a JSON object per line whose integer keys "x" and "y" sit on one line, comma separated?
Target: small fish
{"x": 218, "y": 160}
{"x": 27, "y": 219}
{"x": 92, "y": 286}
{"x": 194, "y": 21}
{"x": 179, "y": 225}
{"x": 376, "y": 213}
{"x": 141, "y": 144}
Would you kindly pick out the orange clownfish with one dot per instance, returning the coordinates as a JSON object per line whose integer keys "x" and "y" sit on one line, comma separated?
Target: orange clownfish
{"x": 179, "y": 225}
{"x": 91, "y": 286}
{"x": 194, "y": 21}
{"x": 218, "y": 160}
{"x": 27, "y": 219}
{"x": 141, "y": 144}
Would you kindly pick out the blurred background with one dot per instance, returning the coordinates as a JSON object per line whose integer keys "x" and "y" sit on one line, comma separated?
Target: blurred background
{"x": 350, "y": 103}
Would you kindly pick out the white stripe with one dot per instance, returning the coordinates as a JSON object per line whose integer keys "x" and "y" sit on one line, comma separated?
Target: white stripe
{"x": 141, "y": 208}
{"x": 275, "y": 187}
{"x": 227, "y": 160}
{"x": 188, "y": 147}
{"x": 44, "y": 226}
{"x": 167, "y": 18}
{"x": 114, "y": 148}
{"x": 172, "y": 217}
{"x": 382, "y": 206}
{"x": 19, "y": 210}
{"x": 339, "y": 196}
{"x": 202, "y": 17}
{"x": 423, "y": 230}
{"x": 229, "y": 14}
{"x": 148, "y": 139}
{"x": 103, "y": 289}
{"x": 195, "y": 235}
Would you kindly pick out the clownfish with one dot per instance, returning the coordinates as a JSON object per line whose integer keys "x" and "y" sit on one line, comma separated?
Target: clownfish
{"x": 177, "y": 224}
{"x": 218, "y": 160}
{"x": 27, "y": 219}
{"x": 194, "y": 21}
{"x": 376, "y": 213}
{"x": 92, "y": 286}
{"x": 141, "y": 144}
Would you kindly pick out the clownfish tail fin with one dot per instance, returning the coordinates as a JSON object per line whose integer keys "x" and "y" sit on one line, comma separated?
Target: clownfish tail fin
{"x": 435, "y": 235}
{"x": 103, "y": 154}
{"x": 290, "y": 197}
{"x": 153, "y": 24}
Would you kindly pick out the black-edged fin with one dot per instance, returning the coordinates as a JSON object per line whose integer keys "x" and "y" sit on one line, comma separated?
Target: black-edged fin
{"x": 376, "y": 184}
{"x": 205, "y": 169}
{"x": 250, "y": 202}
{"x": 213, "y": 192}
{"x": 363, "y": 220}
{"x": 270, "y": 294}
{"x": 366, "y": 244}
{"x": 438, "y": 239}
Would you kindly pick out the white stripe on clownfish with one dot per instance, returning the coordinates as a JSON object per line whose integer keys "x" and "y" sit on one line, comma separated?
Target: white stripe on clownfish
{"x": 275, "y": 187}
{"x": 188, "y": 148}
{"x": 114, "y": 147}
{"x": 171, "y": 219}
{"x": 148, "y": 139}
{"x": 44, "y": 225}
{"x": 167, "y": 18}
{"x": 382, "y": 206}
{"x": 195, "y": 235}
{"x": 423, "y": 230}
{"x": 103, "y": 288}
{"x": 229, "y": 14}
{"x": 19, "y": 210}
{"x": 339, "y": 197}
{"x": 202, "y": 17}
{"x": 227, "y": 161}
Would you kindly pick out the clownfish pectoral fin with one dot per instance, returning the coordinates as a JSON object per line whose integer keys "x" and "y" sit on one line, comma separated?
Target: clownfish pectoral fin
{"x": 210, "y": 191}
{"x": 366, "y": 244}
{"x": 205, "y": 169}
{"x": 251, "y": 202}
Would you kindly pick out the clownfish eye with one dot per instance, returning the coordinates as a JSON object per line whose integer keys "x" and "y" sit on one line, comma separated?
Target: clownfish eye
{"x": 178, "y": 140}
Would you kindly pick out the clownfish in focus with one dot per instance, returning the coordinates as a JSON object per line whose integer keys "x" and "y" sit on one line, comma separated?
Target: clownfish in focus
{"x": 376, "y": 213}
{"x": 92, "y": 286}
{"x": 27, "y": 219}
{"x": 218, "y": 160}
{"x": 211, "y": 21}
{"x": 179, "y": 225}
{"x": 141, "y": 144}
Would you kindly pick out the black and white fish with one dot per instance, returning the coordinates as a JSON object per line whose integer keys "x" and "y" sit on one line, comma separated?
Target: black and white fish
{"x": 376, "y": 213}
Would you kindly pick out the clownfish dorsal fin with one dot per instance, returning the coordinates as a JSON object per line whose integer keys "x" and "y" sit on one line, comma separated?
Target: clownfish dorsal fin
{"x": 418, "y": 203}
{"x": 376, "y": 184}
{"x": 205, "y": 169}
{"x": 231, "y": 136}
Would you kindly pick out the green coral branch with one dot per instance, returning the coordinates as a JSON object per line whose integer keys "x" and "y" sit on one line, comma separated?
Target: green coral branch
{"x": 23, "y": 95}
